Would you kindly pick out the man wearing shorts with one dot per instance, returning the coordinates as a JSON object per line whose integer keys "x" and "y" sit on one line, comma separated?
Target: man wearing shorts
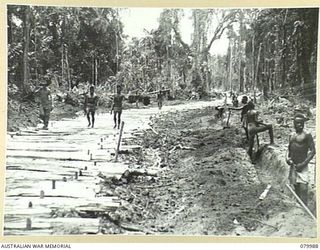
{"x": 90, "y": 104}
{"x": 301, "y": 150}
{"x": 117, "y": 107}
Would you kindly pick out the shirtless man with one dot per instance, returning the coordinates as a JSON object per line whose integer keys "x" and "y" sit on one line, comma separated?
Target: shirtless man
{"x": 244, "y": 110}
{"x": 255, "y": 127}
{"x": 117, "y": 107}
{"x": 301, "y": 150}
{"x": 44, "y": 97}
{"x": 90, "y": 105}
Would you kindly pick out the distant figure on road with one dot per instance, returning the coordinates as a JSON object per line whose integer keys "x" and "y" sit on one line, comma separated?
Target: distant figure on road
{"x": 160, "y": 97}
{"x": 90, "y": 105}
{"x": 117, "y": 107}
{"x": 255, "y": 127}
{"x": 44, "y": 98}
{"x": 301, "y": 150}
{"x": 235, "y": 101}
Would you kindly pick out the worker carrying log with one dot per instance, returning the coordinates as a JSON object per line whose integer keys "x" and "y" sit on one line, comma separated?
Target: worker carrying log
{"x": 44, "y": 98}
{"x": 117, "y": 106}
{"x": 301, "y": 150}
{"x": 90, "y": 105}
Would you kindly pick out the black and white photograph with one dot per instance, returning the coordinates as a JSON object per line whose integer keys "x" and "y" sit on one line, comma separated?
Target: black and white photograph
{"x": 153, "y": 121}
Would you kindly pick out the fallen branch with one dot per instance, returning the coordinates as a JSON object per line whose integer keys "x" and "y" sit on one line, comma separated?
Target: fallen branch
{"x": 131, "y": 228}
{"x": 154, "y": 130}
{"x": 181, "y": 147}
{"x": 157, "y": 186}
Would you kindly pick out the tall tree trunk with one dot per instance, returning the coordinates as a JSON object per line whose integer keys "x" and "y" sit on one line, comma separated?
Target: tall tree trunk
{"x": 96, "y": 71}
{"x": 230, "y": 65}
{"x": 240, "y": 55}
{"x": 62, "y": 64}
{"x": 35, "y": 52}
{"x": 252, "y": 69}
{"x": 26, "y": 32}
{"x": 277, "y": 82}
{"x": 284, "y": 50}
{"x": 244, "y": 79}
{"x": 256, "y": 74}
{"x": 284, "y": 60}
{"x": 92, "y": 71}
{"x": 68, "y": 70}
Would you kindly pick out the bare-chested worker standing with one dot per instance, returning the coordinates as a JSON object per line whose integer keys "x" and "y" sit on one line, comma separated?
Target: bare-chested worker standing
{"x": 117, "y": 107}
{"x": 301, "y": 150}
{"x": 90, "y": 105}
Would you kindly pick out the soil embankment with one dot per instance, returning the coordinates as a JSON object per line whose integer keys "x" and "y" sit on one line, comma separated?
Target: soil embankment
{"x": 206, "y": 185}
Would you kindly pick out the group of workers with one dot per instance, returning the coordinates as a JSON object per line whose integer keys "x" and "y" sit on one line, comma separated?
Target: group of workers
{"x": 301, "y": 148}
{"x": 90, "y": 104}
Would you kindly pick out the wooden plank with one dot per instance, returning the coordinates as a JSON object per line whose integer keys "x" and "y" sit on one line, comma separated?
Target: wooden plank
{"x": 56, "y": 202}
{"x": 46, "y": 164}
{"x": 57, "y": 225}
{"x": 45, "y": 155}
{"x": 36, "y": 145}
{"x": 24, "y": 176}
{"x": 74, "y": 189}
{"x": 33, "y": 232}
{"x": 45, "y": 149}
{"x": 33, "y": 189}
{"x": 57, "y": 169}
{"x": 38, "y": 211}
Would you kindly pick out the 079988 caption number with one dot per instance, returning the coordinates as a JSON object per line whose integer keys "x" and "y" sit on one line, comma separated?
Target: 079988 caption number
{"x": 308, "y": 245}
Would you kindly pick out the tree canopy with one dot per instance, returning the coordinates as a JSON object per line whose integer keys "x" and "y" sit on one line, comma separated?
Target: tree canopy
{"x": 269, "y": 49}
